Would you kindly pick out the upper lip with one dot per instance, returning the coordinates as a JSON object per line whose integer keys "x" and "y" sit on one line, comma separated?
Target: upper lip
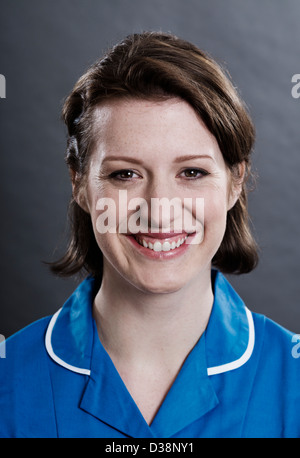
{"x": 160, "y": 235}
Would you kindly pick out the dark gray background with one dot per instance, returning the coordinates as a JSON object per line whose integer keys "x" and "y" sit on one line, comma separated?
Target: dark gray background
{"x": 47, "y": 44}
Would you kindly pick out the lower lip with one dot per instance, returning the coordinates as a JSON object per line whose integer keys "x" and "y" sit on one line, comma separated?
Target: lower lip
{"x": 163, "y": 255}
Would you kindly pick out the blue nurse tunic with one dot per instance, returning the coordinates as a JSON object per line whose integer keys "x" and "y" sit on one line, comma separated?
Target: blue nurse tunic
{"x": 242, "y": 378}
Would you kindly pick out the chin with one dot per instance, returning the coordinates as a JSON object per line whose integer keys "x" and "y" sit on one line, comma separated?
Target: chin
{"x": 161, "y": 285}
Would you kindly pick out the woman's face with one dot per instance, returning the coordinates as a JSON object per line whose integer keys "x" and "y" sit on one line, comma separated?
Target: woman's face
{"x": 151, "y": 150}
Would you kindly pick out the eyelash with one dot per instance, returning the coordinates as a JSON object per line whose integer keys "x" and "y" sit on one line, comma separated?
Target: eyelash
{"x": 195, "y": 169}
{"x": 114, "y": 175}
{"x": 117, "y": 174}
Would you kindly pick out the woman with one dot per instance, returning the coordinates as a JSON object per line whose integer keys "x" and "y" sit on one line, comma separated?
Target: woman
{"x": 154, "y": 342}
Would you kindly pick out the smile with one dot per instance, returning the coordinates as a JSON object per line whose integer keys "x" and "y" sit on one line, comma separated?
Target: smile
{"x": 161, "y": 245}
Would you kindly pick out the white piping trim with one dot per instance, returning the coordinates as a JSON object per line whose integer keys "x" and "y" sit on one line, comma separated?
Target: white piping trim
{"x": 51, "y": 353}
{"x": 244, "y": 358}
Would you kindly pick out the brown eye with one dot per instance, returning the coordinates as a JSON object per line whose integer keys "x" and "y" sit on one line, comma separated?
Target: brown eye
{"x": 194, "y": 173}
{"x": 123, "y": 174}
{"x": 126, "y": 174}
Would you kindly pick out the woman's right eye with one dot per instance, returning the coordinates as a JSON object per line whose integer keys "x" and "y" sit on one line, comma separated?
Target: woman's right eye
{"x": 123, "y": 175}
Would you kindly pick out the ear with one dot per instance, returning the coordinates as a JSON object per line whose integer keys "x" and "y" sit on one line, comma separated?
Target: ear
{"x": 237, "y": 176}
{"x": 79, "y": 193}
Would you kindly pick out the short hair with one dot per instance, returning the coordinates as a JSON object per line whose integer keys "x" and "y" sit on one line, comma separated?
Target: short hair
{"x": 155, "y": 65}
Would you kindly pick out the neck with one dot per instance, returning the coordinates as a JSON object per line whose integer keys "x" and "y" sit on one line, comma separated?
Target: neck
{"x": 136, "y": 326}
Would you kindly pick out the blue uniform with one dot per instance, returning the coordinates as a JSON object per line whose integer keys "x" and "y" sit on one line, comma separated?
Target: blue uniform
{"x": 242, "y": 379}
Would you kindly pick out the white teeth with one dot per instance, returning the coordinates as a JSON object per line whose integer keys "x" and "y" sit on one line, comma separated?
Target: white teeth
{"x": 166, "y": 246}
{"x": 158, "y": 246}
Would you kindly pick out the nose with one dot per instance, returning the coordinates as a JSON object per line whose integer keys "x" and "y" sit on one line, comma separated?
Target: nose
{"x": 164, "y": 206}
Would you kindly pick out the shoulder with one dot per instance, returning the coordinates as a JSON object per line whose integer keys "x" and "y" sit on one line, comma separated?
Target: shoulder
{"x": 277, "y": 375}
{"x": 274, "y": 401}
{"x": 276, "y": 339}
{"x": 25, "y": 388}
{"x": 278, "y": 347}
{"x": 25, "y": 344}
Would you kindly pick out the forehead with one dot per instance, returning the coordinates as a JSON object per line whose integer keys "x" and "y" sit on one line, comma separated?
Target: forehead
{"x": 138, "y": 126}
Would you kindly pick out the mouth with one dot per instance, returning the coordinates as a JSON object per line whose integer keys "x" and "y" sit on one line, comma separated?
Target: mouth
{"x": 161, "y": 246}
{"x": 161, "y": 242}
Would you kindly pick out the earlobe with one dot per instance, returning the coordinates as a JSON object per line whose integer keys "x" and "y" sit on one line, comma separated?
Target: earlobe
{"x": 233, "y": 198}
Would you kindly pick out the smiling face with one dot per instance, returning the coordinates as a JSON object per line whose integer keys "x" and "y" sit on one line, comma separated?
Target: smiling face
{"x": 155, "y": 150}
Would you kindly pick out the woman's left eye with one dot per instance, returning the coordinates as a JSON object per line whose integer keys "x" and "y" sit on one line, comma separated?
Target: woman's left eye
{"x": 192, "y": 173}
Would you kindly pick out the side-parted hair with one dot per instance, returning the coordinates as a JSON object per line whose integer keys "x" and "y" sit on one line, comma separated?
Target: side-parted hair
{"x": 158, "y": 66}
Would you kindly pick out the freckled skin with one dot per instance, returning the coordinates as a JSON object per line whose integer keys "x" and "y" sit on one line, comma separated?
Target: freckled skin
{"x": 154, "y": 135}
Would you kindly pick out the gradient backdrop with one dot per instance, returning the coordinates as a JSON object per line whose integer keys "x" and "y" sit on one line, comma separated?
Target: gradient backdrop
{"x": 45, "y": 45}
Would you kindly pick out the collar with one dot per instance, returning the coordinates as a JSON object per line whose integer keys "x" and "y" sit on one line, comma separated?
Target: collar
{"x": 69, "y": 337}
{"x": 229, "y": 335}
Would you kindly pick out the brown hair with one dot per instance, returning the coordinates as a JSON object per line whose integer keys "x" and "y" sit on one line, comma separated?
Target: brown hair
{"x": 158, "y": 65}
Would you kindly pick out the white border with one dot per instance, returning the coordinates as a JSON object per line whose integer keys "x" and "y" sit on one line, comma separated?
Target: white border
{"x": 244, "y": 358}
{"x": 51, "y": 353}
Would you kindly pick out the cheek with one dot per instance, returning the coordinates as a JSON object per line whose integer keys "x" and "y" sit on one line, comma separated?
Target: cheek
{"x": 110, "y": 248}
{"x": 103, "y": 207}
{"x": 215, "y": 216}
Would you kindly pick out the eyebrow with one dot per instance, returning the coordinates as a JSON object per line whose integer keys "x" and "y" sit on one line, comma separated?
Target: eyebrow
{"x": 137, "y": 161}
{"x": 193, "y": 156}
{"x": 121, "y": 158}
